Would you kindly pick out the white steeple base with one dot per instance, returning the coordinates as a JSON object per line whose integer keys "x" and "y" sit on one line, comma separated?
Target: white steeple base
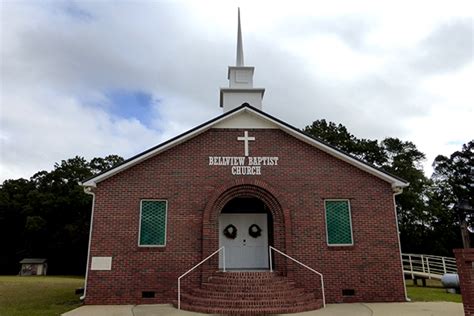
{"x": 232, "y": 98}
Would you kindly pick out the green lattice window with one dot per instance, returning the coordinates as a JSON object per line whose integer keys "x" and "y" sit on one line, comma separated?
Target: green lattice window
{"x": 338, "y": 222}
{"x": 153, "y": 223}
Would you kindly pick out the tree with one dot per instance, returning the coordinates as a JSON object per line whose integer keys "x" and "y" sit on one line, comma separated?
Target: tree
{"x": 339, "y": 137}
{"x": 98, "y": 165}
{"x": 455, "y": 174}
{"x": 13, "y": 193}
{"x": 403, "y": 159}
{"x": 454, "y": 184}
{"x": 48, "y": 216}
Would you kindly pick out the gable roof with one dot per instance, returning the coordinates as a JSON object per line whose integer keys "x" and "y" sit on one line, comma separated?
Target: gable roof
{"x": 245, "y": 108}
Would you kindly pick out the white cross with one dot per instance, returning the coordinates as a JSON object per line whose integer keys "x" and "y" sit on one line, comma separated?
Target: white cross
{"x": 246, "y": 139}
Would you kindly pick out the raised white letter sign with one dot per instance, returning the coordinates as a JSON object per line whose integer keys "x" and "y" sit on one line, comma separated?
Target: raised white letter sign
{"x": 244, "y": 166}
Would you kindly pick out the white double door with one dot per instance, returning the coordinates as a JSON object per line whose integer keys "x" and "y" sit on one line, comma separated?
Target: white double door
{"x": 244, "y": 251}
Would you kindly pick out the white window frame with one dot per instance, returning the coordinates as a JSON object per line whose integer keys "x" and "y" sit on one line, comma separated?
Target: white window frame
{"x": 140, "y": 222}
{"x": 350, "y": 222}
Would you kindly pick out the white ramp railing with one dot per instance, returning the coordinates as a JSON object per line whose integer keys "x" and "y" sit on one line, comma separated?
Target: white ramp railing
{"x": 427, "y": 265}
{"x": 270, "y": 248}
{"x": 197, "y": 265}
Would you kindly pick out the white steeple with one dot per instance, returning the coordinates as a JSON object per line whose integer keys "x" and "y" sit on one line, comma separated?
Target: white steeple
{"x": 240, "y": 50}
{"x": 240, "y": 77}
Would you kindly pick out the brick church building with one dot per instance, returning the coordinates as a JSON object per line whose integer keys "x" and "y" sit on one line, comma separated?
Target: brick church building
{"x": 243, "y": 182}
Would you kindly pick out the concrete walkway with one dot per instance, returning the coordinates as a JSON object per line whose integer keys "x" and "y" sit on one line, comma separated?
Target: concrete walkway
{"x": 356, "y": 309}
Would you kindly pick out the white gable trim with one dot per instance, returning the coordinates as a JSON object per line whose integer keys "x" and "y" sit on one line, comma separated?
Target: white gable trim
{"x": 245, "y": 119}
{"x": 219, "y": 122}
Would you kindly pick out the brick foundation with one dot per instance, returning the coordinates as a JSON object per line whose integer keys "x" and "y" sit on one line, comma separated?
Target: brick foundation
{"x": 465, "y": 264}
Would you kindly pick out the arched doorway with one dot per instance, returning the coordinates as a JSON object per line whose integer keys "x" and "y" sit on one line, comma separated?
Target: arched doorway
{"x": 274, "y": 203}
{"x": 246, "y": 231}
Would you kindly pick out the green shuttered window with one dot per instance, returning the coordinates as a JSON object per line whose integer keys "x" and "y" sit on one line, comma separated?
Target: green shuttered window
{"x": 153, "y": 223}
{"x": 338, "y": 222}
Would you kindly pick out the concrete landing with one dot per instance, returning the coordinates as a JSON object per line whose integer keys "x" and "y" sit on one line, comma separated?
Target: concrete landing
{"x": 355, "y": 309}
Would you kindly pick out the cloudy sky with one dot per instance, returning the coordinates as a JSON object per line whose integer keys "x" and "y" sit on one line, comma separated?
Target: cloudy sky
{"x": 92, "y": 78}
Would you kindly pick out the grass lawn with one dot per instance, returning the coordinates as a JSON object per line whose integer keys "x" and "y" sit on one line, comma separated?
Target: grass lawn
{"x": 433, "y": 292}
{"x": 38, "y": 295}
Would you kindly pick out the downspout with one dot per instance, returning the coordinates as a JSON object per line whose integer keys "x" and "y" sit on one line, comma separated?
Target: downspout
{"x": 397, "y": 191}
{"x": 88, "y": 190}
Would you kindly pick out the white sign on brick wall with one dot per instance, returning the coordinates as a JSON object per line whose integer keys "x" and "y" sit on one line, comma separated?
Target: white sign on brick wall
{"x": 101, "y": 263}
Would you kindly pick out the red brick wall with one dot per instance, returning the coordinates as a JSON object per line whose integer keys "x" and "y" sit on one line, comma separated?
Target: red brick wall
{"x": 302, "y": 180}
{"x": 465, "y": 263}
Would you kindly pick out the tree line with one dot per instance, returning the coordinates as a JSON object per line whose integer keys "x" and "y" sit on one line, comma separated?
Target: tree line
{"x": 48, "y": 215}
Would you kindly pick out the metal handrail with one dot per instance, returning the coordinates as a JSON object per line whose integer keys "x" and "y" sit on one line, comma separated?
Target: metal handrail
{"x": 197, "y": 265}
{"x": 428, "y": 264}
{"x": 270, "y": 248}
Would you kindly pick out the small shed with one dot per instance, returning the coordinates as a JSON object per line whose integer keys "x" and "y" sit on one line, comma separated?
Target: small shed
{"x": 33, "y": 266}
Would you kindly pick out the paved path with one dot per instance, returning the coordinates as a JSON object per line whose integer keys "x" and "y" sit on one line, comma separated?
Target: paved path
{"x": 356, "y": 309}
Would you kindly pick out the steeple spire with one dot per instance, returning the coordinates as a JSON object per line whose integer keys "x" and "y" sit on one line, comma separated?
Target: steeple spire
{"x": 240, "y": 77}
{"x": 240, "y": 50}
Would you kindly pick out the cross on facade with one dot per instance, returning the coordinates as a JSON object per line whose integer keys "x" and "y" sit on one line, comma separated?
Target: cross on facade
{"x": 246, "y": 140}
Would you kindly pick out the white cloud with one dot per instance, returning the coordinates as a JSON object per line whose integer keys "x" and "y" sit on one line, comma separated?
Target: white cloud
{"x": 448, "y": 125}
{"x": 43, "y": 128}
{"x": 330, "y": 57}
